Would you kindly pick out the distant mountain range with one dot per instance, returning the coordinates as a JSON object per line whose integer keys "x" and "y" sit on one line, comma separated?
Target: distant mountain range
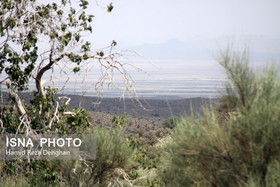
{"x": 173, "y": 49}
{"x": 261, "y": 48}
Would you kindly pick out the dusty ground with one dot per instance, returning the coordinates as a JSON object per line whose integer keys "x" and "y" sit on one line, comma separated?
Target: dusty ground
{"x": 150, "y": 130}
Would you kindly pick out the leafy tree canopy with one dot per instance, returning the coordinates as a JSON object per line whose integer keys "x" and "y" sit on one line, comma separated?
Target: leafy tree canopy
{"x": 23, "y": 23}
{"x": 37, "y": 36}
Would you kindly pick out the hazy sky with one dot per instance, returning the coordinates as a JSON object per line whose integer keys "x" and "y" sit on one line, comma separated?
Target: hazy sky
{"x": 156, "y": 21}
{"x": 190, "y": 25}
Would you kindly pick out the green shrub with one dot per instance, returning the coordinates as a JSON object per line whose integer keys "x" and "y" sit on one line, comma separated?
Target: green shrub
{"x": 33, "y": 173}
{"x": 242, "y": 149}
{"x": 273, "y": 174}
{"x": 113, "y": 154}
{"x": 14, "y": 182}
{"x": 171, "y": 122}
{"x": 120, "y": 121}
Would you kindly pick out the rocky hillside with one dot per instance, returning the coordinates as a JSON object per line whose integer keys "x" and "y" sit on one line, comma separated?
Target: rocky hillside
{"x": 143, "y": 108}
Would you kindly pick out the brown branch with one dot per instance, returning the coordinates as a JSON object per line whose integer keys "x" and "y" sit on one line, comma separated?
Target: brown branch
{"x": 40, "y": 74}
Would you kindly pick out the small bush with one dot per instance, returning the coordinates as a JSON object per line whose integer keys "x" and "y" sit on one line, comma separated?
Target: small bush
{"x": 113, "y": 154}
{"x": 171, "y": 122}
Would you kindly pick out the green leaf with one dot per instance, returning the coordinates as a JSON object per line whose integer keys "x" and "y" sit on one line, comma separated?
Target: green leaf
{"x": 101, "y": 53}
{"x": 110, "y": 7}
{"x": 60, "y": 13}
{"x": 76, "y": 69}
{"x": 86, "y": 47}
{"x": 84, "y": 4}
{"x": 114, "y": 43}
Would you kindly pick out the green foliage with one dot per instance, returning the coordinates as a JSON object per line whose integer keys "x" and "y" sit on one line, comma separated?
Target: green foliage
{"x": 273, "y": 174}
{"x": 42, "y": 110}
{"x": 113, "y": 151}
{"x": 110, "y": 7}
{"x": 58, "y": 23}
{"x": 44, "y": 103}
{"x": 146, "y": 156}
{"x": 75, "y": 123}
{"x": 146, "y": 159}
{"x": 113, "y": 154}
{"x": 241, "y": 149}
{"x": 145, "y": 177}
{"x": 10, "y": 119}
{"x": 11, "y": 62}
{"x": 42, "y": 172}
{"x": 171, "y": 122}
{"x": 33, "y": 173}
{"x": 43, "y": 113}
{"x": 120, "y": 121}
{"x": 14, "y": 182}
{"x": 75, "y": 58}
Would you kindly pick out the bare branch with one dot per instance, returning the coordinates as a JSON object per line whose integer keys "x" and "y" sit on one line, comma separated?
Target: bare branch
{"x": 20, "y": 107}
